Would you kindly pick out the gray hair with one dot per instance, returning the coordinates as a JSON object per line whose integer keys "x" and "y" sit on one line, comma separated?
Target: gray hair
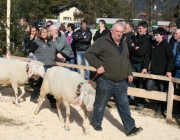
{"x": 118, "y": 23}
{"x": 54, "y": 27}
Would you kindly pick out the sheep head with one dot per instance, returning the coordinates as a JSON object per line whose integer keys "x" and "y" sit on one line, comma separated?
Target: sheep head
{"x": 35, "y": 68}
{"x": 87, "y": 96}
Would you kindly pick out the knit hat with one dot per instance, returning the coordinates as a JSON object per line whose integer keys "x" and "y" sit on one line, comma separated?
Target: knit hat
{"x": 172, "y": 24}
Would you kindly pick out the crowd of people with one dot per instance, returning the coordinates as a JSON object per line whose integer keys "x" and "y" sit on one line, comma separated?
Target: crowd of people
{"x": 115, "y": 53}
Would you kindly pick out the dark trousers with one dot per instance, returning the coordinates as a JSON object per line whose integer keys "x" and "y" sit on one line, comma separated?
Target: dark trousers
{"x": 36, "y": 90}
{"x": 157, "y": 85}
{"x": 138, "y": 81}
{"x": 104, "y": 91}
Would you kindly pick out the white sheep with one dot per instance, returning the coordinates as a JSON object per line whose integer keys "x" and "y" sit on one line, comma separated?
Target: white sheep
{"x": 16, "y": 73}
{"x": 65, "y": 85}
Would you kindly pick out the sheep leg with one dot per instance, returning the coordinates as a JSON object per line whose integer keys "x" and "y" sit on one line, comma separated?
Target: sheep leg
{"x": 15, "y": 87}
{"x": 86, "y": 119}
{"x": 58, "y": 109}
{"x": 40, "y": 100}
{"x": 22, "y": 92}
{"x": 67, "y": 106}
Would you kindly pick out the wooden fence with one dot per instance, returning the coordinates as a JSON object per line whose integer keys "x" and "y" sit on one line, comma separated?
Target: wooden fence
{"x": 155, "y": 95}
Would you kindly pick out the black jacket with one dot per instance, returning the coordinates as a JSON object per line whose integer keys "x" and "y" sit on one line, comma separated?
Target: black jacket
{"x": 81, "y": 43}
{"x": 98, "y": 34}
{"x": 143, "y": 43}
{"x": 161, "y": 57}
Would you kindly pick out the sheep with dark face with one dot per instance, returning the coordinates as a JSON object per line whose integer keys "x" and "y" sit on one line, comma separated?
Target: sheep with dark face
{"x": 16, "y": 72}
{"x": 65, "y": 85}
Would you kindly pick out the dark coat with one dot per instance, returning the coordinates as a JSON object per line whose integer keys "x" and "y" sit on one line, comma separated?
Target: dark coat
{"x": 104, "y": 52}
{"x": 81, "y": 43}
{"x": 98, "y": 34}
{"x": 143, "y": 43}
{"x": 161, "y": 57}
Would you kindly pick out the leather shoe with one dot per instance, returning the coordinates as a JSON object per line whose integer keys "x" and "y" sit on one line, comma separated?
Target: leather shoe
{"x": 134, "y": 131}
{"x": 97, "y": 127}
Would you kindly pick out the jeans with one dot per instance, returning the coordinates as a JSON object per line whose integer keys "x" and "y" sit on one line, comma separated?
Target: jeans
{"x": 80, "y": 59}
{"x": 71, "y": 61}
{"x": 104, "y": 91}
{"x": 137, "y": 81}
{"x": 156, "y": 85}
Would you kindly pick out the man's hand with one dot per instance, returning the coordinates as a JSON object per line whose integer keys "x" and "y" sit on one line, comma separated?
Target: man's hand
{"x": 100, "y": 70}
{"x": 136, "y": 48}
{"x": 168, "y": 74}
{"x": 130, "y": 79}
{"x": 144, "y": 71}
{"x": 31, "y": 54}
{"x": 31, "y": 37}
{"x": 63, "y": 59}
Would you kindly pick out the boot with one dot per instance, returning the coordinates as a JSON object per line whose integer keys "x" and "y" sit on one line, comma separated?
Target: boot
{"x": 159, "y": 111}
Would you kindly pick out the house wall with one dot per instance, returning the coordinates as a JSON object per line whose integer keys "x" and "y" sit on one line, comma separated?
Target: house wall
{"x": 67, "y": 16}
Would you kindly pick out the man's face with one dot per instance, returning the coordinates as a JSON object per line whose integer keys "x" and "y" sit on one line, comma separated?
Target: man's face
{"x": 34, "y": 31}
{"x": 83, "y": 25}
{"x": 100, "y": 25}
{"x": 172, "y": 29}
{"x": 22, "y": 23}
{"x": 177, "y": 35}
{"x": 117, "y": 32}
{"x": 53, "y": 31}
{"x": 158, "y": 37}
{"x": 127, "y": 29}
{"x": 142, "y": 30}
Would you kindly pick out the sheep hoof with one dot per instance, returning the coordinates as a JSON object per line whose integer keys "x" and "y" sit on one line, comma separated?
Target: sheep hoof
{"x": 86, "y": 133}
{"x": 35, "y": 112}
{"x": 67, "y": 128}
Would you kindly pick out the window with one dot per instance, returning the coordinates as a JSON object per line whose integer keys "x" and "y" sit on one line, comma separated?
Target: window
{"x": 67, "y": 18}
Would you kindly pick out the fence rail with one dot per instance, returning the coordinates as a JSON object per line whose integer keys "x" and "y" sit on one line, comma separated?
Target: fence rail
{"x": 142, "y": 93}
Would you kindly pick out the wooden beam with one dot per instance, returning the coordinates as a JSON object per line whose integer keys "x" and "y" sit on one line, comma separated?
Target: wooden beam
{"x": 152, "y": 76}
{"x": 142, "y": 93}
{"x": 170, "y": 101}
{"x": 177, "y": 98}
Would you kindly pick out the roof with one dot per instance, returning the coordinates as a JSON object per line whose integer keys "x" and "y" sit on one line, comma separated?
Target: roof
{"x": 64, "y": 7}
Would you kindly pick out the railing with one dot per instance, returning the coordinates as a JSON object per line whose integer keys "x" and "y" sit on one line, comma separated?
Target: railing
{"x": 155, "y": 95}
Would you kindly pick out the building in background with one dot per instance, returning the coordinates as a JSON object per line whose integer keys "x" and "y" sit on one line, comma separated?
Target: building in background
{"x": 68, "y": 13}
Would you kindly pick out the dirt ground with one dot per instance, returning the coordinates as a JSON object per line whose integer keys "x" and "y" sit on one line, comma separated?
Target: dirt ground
{"x": 20, "y": 123}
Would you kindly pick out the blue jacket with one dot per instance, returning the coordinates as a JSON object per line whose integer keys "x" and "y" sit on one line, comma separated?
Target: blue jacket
{"x": 177, "y": 65}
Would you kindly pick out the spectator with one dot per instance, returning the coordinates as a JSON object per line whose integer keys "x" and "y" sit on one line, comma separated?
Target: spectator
{"x": 109, "y": 55}
{"x": 49, "y": 23}
{"x": 162, "y": 63}
{"x": 23, "y": 21}
{"x": 61, "y": 44}
{"x": 34, "y": 33}
{"x": 62, "y": 28}
{"x": 68, "y": 34}
{"x": 172, "y": 28}
{"x": 138, "y": 50}
{"x": 129, "y": 35}
{"x": 46, "y": 52}
{"x": 176, "y": 51}
{"x": 82, "y": 38}
{"x": 102, "y": 30}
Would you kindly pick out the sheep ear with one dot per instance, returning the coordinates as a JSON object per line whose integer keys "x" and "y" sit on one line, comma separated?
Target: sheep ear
{"x": 80, "y": 98}
{"x": 31, "y": 70}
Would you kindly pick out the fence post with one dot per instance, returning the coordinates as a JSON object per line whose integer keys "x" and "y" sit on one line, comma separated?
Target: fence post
{"x": 82, "y": 72}
{"x": 170, "y": 101}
